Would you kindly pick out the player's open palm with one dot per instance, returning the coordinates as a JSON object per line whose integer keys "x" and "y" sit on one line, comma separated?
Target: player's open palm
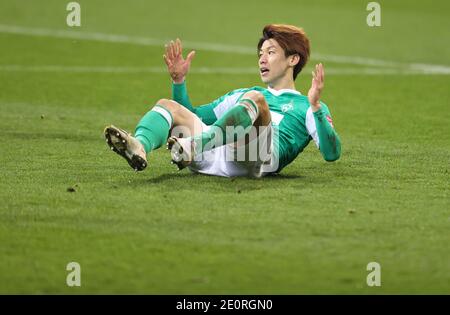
{"x": 177, "y": 66}
{"x": 316, "y": 86}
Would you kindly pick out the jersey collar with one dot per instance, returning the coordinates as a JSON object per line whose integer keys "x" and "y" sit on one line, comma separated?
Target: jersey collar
{"x": 282, "y": 91}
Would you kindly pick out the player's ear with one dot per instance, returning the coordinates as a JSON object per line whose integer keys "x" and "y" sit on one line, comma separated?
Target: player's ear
{"x": 294, "y": 59}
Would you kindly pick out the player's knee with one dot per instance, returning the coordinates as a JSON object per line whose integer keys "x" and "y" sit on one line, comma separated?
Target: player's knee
{"x": 255, "y": 96}
{"x": 164, "y": 102}
{"x": 172, "y": 106}
{"x": 259, "y": 99}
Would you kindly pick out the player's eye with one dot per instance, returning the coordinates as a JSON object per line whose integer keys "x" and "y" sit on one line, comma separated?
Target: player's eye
{"x": 271, "y": 52}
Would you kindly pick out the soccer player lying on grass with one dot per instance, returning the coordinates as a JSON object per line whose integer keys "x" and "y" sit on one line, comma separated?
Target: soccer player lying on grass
{"x": 221, "y": 138}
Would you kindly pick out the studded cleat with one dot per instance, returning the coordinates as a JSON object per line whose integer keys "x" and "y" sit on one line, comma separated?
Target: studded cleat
{"x": 181, "y": 151}
{"x": 126, "y": 146}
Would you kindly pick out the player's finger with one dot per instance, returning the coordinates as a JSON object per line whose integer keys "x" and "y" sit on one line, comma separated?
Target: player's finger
{"x": 323, "y": 73}
{"x": 167, "y": 61}
{"x": 323, "y": 77}
{"x": 181, "y": 46}
{"x": 175, "y": 49}
{"x": 190, "y": 56}
{"x": 319, "y": 72}
{"x": 172, "y": 52}
{"x": 178, "y": 47}
{"x": 166, "y": 50}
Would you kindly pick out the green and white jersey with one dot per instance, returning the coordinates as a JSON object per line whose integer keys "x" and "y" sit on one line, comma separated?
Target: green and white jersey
{"x": 293, "y": 121}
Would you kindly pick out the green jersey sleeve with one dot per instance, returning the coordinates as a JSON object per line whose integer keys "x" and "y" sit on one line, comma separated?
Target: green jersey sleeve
{"x": 180, "y": 95}
{"x": 325, "y": 136}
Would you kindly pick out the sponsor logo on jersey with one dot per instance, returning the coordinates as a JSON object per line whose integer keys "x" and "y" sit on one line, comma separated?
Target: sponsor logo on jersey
{"x": 330, "y": 120}
{"x": 287, "y": 107}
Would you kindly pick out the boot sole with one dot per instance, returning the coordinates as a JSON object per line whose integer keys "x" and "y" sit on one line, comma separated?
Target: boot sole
{"x": 135, "y": 161}
{"x": 178, "y": 158}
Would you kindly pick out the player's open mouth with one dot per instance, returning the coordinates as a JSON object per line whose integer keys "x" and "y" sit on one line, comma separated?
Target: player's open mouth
{"x": 264, "y": 71}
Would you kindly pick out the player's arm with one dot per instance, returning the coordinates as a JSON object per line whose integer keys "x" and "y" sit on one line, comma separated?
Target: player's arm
{"x": 178, "y": 68}
{"x": 329, "y": 142}
{"x": 328, "y": 139}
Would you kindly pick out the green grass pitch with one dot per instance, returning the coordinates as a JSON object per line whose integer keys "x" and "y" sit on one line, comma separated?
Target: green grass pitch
{"x": 312, "y": 229}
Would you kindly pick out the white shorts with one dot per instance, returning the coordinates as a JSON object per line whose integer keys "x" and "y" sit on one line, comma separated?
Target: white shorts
{"x": 254, "y": 159}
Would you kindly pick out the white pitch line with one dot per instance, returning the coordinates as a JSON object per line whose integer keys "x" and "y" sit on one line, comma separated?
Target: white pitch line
{"x": 113, "y": 69}
{"x": 135, "y": 40}
{"x": 237, "y": 49}
{"x": 194, "y": 70}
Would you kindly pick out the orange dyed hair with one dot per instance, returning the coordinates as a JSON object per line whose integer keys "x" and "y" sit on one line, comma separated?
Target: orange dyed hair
{"x": 292, "y": 39}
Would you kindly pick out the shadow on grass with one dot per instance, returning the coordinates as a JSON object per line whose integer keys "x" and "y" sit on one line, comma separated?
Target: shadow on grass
{"x": 187, "y": 181}
{"x": 208, "y": 178}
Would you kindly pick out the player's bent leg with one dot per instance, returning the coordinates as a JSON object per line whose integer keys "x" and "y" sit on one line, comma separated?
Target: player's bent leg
{"x": 251, "y": 111}
{"x": 151, "y": 132}
{"x": 185, "y": 123}
{"x": 234, "y": 124}
{"x": 185, "y": 126}
{"x": 263, "y": 117}
{"x": 263, "y": 108}
{"x": 253, "y": 152}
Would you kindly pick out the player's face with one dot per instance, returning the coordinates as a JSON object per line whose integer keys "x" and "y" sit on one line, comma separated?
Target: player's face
{"x": 273, "y": 64}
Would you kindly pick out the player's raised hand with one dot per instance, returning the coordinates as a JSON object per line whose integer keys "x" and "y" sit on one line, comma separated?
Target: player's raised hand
{"x": 177, "y": 66}
{"x": 317, "y": 84}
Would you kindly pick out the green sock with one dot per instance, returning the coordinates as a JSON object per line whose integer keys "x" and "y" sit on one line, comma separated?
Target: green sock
{"x": 153, "y": 129}
{"x": 241, "y": 117}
